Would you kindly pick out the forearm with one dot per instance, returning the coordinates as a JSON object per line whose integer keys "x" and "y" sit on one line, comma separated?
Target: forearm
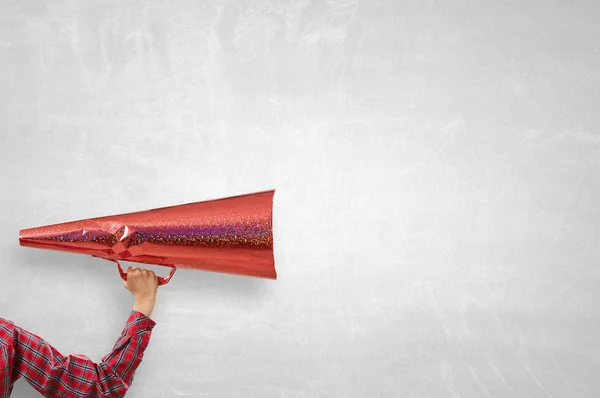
{"x": 54, "y": 375}
{"x": 128, "y": 351}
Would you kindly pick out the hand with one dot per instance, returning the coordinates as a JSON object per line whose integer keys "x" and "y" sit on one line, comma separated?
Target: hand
{"x": 143, "y": 284}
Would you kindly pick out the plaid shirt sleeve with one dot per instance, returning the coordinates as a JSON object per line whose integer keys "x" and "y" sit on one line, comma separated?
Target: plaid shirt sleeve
{"x": 23, "y": 354}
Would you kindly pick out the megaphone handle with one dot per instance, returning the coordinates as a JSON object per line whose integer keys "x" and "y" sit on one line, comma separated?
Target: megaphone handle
{"x": 162, "y": 280}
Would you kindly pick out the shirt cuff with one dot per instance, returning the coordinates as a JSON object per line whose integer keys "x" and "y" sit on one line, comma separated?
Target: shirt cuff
{"x": 138, "y": 322}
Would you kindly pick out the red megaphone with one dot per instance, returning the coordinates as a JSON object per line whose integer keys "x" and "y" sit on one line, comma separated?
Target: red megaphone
{"x": 232, "y": 235}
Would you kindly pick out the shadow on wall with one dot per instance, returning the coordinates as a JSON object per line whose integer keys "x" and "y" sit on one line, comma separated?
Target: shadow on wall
{"x": 204, "y": 283}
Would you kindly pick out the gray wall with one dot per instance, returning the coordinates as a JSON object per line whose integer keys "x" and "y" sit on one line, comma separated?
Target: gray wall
{"x": 437, "y": 223}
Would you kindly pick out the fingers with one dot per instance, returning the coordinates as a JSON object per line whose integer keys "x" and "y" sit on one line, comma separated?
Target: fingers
{"x": 141, "y": 282}
{"x": 139, "y": 272}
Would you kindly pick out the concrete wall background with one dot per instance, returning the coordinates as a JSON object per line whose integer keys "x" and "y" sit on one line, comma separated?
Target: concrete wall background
{"x": 437, "y": 223}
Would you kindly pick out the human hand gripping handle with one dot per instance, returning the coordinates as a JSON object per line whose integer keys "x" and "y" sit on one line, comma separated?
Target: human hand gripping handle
{"x": 162, "y": 280}
{"x": 143, "y": 284}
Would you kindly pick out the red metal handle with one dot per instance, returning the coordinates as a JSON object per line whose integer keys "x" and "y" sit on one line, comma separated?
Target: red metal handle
{"x": 162, "y": 280}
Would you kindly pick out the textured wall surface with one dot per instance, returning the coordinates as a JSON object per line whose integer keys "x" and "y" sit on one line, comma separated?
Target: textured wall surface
{"x": 437, "y": 166}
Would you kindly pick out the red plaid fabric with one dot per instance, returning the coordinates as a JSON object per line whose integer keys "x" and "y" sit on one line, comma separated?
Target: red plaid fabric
{"x": 23, "y": 354}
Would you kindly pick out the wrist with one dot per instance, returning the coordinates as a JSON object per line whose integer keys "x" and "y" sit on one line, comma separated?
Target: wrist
{"x": 145, "y": 297}
{"x": 145, "y": 305}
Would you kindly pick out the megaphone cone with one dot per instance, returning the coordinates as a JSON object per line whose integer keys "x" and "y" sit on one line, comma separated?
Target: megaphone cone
{"x": 232, "y": 235}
